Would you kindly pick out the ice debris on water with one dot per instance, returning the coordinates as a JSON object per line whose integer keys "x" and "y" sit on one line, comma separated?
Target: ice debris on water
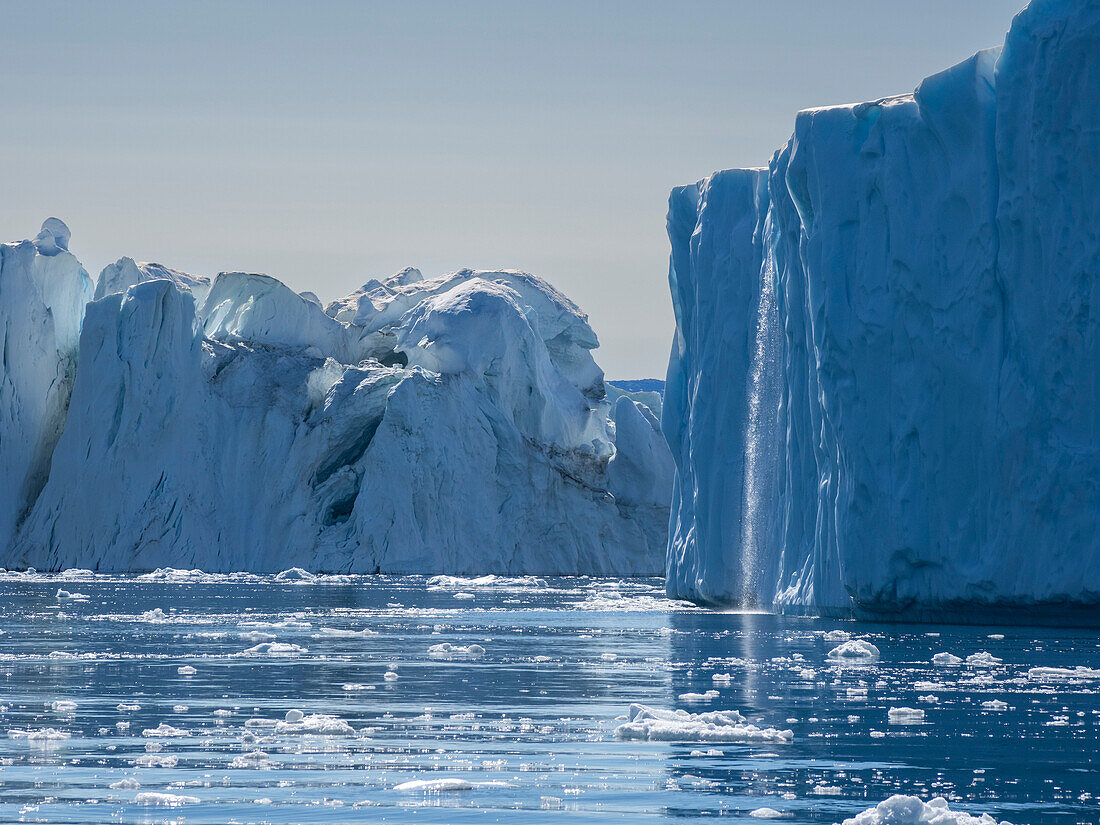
{"x": 946, "y": 659}
{"x": 910, "y": 810}
{"x": 905, "y": 716}
{"x": 445, "y": 650}
{"x": 659, "y": 725}
{"x": 856, "y": 651}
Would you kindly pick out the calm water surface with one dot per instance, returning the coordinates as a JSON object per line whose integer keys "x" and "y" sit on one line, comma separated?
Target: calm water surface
{"x": 98, "y": 724}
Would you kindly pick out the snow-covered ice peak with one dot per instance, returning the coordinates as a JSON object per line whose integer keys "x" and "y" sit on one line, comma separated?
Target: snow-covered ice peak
{"x": 53, "y": 239}
{"x": 560, "y": 324}
{"x": 125, "y": 272}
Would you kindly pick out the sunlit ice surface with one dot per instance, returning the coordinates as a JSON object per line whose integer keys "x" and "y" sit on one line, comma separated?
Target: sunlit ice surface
{"x": 188, "y": 697}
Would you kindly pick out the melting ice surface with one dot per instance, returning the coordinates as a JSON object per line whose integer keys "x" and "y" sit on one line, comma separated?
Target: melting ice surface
{"x": 292, "y": 699}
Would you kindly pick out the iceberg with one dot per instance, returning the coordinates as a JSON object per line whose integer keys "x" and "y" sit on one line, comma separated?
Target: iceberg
{"x": 882, "y": 396}
{"x": 456, "y": 424}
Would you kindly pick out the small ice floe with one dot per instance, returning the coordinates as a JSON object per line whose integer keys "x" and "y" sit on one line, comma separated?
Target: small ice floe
{"x": 293, "y": 716}
{"x": 551, "y": 803}
{"x": 180, "y": 708}
{"x": 278, "y": 649}
{"x": 155, "y": 616}
{"x": 995, "y": 704}
{"x": 164, "y": 730}
{"x": 997, "y": 636}
{"x": 41, "y": 735}
{"x": 127, "y": 707}
{"x": 186, "y": 670}
{"x": 929, "y": 699}
{"x": 826, "y": 790}
{"x": 658, "y": 725}
{"x": 698, "y": 697}
{"x": 353, "y": 686}
{"x": 445, "y": 650}
{"x": 766, "y": 813}
{"x": 446, "y": 784}
{"x": 65, "y": 595}
{"x": 127, "y": 784}
{"x": 463, "y": 596}
{"x": 946, "y": 659}
{"x": 1060, "y": 674}
{"x": 317, "y": 724}
{"x": 251, "y": 760}
{"x": 905, "y": 716}
{"x": 63, "y": 706}
{"x": 169, "y": 800}
{"x": 296, "y": 575}
{"x": 256, "y": 636}
{"x": 155, "y": 760}
{"x": 807, "y": 673}
{"x": 342, "y": 633}
{"x": 837, "y": 636}
{"x": 855, "y": 651}
{"x": 609, "y": 657}
{"x": 909, "y": 810}
{"x": 287, "y": 624}
{"x": 711, "y": 752}
{"x": 723, "y": 678}
{"x": 983, "y": 659}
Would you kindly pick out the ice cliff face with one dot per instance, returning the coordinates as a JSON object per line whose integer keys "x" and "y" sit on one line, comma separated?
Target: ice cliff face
{"x": 455, "y": 424}
{"x": 43, "y": 290}
{"x": 883, "y": 391}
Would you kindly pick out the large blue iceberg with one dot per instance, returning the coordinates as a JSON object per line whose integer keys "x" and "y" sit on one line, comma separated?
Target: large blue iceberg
{"x": 448, "y": 424}
{"x": 884, "y": 390}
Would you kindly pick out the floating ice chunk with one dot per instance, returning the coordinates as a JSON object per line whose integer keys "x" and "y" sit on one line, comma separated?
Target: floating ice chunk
{"x": 983, "y": 659}
{"x": 63, "y": 706}
{"x": 698, "y": 697}
{"x": 293, "y": 716}
{"x": 186, "y": 670}
{"x": 180, "y": 708}
{"x": 342, "y": 633}
{"x": 256, "y": 636}
{"x": 724, "y": 678}
{"x": 281, "y": 649}
{"x": 827, "y": 790}
{"x": 995, "y": 636}
{"x": 296, "y": 574}
{"x": 41, "y": 735}
{"x": 463, "y": 596}
{"x": 164, "y": 730}
{"x": 127, "y": 707}
{"x": 445, "y": 650}
{"x": 155, "y": 760}
{"x": 909, "y": 810}
{"x": 170, "y": 800}
{"x": 660, "y": 725}
{"x": 127, "y": 784}
{"x": 251, "y": 760}
{"x": 447, "y": 784}
{"x": 1057, "y": 674}
{"x": 946, "y": 659}
{"x": 905, "y": 716}
{"x": 995, "y": 704}
{"x": 856, "y": 651}
{"x": 710, "y": 752}
{"x": 318, "y": 724}
{"x": 65, "y": 595}
{"x": 837, "y": 636}
{"x": 156, "y": 615}
{"x": 766, "y": 813}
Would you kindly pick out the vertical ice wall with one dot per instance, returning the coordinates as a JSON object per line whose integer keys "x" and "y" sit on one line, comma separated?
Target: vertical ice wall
{"x": 934, "y": 259}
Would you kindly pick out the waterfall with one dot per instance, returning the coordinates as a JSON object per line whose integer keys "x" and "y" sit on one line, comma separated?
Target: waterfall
{"x": 761, "y": 449}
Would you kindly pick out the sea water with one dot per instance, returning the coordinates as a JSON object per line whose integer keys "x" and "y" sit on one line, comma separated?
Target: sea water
{"x": 186, "y": 697}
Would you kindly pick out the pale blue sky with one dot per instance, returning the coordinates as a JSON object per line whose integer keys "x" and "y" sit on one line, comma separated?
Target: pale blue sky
{"x": 328, "y": 143}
